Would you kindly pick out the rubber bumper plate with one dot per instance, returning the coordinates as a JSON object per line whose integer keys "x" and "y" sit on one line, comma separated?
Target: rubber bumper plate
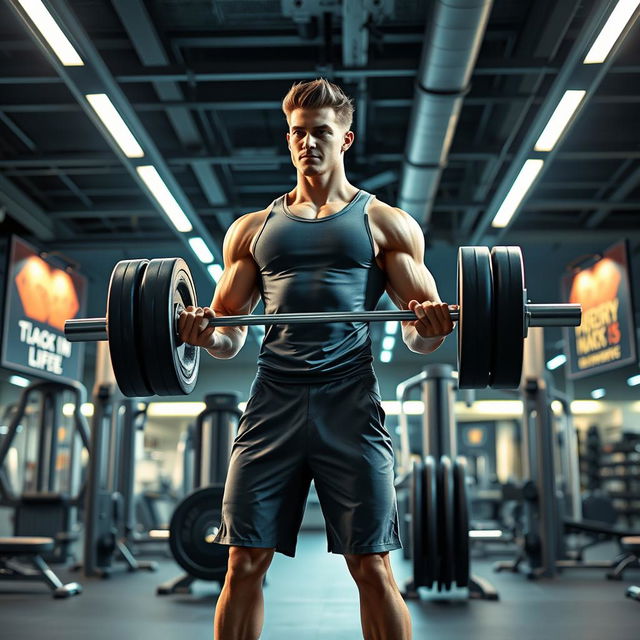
{"x": 430, "y": 521}
{"x": 475, "y": 324}
{"x": 509, "y": 328}
{"x": 461, "y": 528}
{"x": 193, "y": 525}
{"x": 417, "y": 523}
{"x": 446, "y": 524}
{"x": 124, "y": 326}
{"x": 171, "y": 366}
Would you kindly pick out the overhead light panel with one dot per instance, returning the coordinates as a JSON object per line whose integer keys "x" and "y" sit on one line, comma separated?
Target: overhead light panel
{"x": 518, "y": 191}
{"x": 611, "y": 31}
{"x": 584, "y": 407}
{"x": 215, "y": 271}
{"x": 116, "y": 126}
{"x": 633, "y": 381}
{"x": 556, "y": 361}
{"x": 596, "y": 394}
{"x": 174, "y": 409}
{"x": 388, "y": 342}
{"x": 559, "y": 119}
{"x": 386, "y": 356}
{"x": 391, "y": 326}
{"x": 19, "y": 381}
{"x": 163, "y": 196}
{"x": 51, "y": 32}
{"x": 201, "y": 250}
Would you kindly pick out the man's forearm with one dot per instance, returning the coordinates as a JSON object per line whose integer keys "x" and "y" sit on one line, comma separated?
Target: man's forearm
{"x": 224, "y": 345}
{"x": 416, "y": 343}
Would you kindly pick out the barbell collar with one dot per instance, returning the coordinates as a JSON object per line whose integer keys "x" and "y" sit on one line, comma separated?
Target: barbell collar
{"x": 553, "y": 315}
{"x": 86, "y": 330}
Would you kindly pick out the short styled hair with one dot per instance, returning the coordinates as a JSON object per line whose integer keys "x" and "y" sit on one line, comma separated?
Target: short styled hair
{"x": 318, "y": 94}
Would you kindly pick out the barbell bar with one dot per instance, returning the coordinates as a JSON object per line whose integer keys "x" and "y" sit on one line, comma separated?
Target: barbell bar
{"x": 538, "y": 315}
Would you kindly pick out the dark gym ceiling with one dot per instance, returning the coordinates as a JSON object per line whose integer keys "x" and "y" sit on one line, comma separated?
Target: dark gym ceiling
{"x": 205, "y": 78}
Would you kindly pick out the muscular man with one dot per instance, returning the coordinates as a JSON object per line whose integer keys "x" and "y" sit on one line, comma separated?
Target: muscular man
{"x": 314, "y": 410}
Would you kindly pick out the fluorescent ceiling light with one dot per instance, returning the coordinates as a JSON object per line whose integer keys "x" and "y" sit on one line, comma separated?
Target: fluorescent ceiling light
{"x": 411, "y": 407}
{"x": 633, "y": 381}
{"x": 51, "y": 32}
{"x": 117, "y": 127}
{"x": 391, "y": 326}
{"x": 164, "y": 198}
{"x": 518, "y": 191}
{"x": 215, "y": 270}
{"x": 179, "y": 409}
{"x": 584, "y": 407}
{"x": 596, "y": 394}
{"x": 200, "y": 248}
{"x": 388, "y": 342}
{"x": 559, "y": 120}
{"x": 175, "y": 409}
{"x": 486, "y": 533}
{"x": 19, "y": 381}
{"x": 611, "y": 31}
{"x": 556, "y": 361}
{"x": 386, "y": 356}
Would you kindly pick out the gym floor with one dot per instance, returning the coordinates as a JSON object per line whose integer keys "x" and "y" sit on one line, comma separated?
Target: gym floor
{"x": 312, "y": 597}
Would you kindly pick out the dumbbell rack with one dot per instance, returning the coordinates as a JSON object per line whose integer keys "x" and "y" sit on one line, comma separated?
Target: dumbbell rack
{"x": 619, "y": 463}
{"x": 438, "y": 494}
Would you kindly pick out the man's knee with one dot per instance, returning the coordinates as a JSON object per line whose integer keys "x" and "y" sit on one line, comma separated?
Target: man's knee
{"x": 370, "y": 570}
{"x": 247, "y": 564}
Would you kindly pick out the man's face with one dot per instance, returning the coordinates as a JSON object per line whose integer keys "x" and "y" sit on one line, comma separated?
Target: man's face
{"x": 316, "y": 140}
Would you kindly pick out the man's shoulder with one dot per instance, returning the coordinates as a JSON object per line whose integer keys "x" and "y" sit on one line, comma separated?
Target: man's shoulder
{"x": 386, "y": 216}
{"x": 249, "y": 223}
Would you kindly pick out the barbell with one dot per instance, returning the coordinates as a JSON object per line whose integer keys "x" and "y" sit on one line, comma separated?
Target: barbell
{"x": 145, "y": 298}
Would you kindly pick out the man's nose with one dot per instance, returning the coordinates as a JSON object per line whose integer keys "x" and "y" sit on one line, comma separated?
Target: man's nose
{"x": 309, "y": 141}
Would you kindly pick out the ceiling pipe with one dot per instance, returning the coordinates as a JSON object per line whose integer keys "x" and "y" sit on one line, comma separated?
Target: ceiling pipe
{"x": 453, "y": 37}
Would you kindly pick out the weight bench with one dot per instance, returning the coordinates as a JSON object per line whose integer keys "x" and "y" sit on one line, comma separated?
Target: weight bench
{"x": 628, "y": 541}
{"x": 17, "y": 551}
{"x": 631, "y": 544}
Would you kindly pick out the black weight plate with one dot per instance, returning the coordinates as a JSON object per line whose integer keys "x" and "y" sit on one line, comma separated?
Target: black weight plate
{"x": 193, "y": 524}
{"x": 475, "y": 324}
{"x": 417, "y": 523}
{"x": 446, "y": 539}
{"x": 430, "y": 521}
{"x": 509, "y": 308}
{"x": 123, "y": 321}
{"x": 172, "y": 369}
{"x": 461, "y": 529}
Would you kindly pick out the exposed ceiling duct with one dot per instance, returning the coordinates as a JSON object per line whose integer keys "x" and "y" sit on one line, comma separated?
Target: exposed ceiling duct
{"x": 452, "y": 41}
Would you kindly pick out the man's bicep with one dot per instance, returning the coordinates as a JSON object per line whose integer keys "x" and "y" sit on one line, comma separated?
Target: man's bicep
{"x": 408, "y": 279}
{"x": 237, "y": 292}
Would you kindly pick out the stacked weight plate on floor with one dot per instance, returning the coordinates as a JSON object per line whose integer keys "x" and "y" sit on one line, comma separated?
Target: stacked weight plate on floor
{"x": 430, "y": 521}
{"x": 440, "y": 530}
{"x": 418, "y": 518}
{"x": 446, "y": 524}
{"x": 461, "y": 523}
{"x": 193, "y": 525}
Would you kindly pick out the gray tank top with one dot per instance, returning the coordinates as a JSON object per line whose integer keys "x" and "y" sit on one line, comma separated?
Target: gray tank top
{"x": 323, "y": 264}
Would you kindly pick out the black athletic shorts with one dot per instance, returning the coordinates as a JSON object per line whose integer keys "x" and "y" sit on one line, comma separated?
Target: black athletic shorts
{"x": 331, "y": 432}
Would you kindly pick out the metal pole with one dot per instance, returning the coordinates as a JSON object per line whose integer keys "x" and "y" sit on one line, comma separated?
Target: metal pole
{"x": 438, "y": 424}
